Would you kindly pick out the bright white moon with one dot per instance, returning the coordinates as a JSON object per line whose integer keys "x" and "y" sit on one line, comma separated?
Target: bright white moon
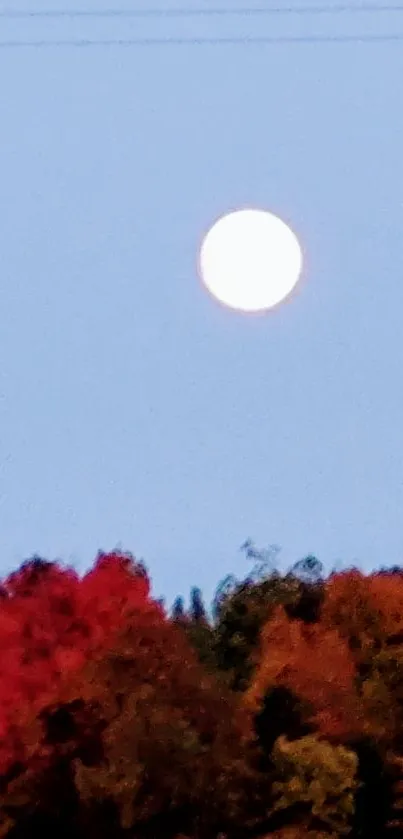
{"x": 250, "y": 260}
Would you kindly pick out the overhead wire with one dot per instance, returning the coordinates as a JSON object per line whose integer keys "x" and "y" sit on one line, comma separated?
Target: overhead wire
{"x": 245, "y": 41}
{"x": 315, "y": 9}
{"x": 184, "y": 12}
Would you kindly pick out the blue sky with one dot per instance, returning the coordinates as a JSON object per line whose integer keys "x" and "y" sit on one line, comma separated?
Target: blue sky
{"x": 134, "y": 411}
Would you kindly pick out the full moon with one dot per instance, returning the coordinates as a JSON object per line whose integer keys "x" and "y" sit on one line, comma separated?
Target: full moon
{"x": 250, "y": 260}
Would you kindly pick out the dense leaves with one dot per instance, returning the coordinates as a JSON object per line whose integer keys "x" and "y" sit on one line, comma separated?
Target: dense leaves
{"x": 160, "y": 715}
{"x": 51, "y": 622}
{"x": 317, "y": 782}
{"x": 279, "y": 714}
{"x": 316, "y": 664}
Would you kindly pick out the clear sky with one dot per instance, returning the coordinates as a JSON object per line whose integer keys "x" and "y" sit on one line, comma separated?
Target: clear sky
{"x": 136, "y": 412}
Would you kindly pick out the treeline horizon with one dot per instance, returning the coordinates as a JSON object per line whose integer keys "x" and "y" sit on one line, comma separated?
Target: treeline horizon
{"x": 276, "y": 711}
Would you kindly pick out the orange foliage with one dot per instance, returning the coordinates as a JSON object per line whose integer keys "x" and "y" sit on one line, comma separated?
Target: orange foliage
{"x": 105, "y": 701}
{"x": 387, "y": 591}
{"x": 367, "y": 610}
{"x": 351, "y": 607}
{"x": 316, "y": 664}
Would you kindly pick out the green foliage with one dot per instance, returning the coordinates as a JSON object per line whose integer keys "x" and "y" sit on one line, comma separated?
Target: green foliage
{"x": 317, "y": 775}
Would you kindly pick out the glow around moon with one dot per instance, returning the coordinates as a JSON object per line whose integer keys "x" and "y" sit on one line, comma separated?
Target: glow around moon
{"x": 250, "y": 260}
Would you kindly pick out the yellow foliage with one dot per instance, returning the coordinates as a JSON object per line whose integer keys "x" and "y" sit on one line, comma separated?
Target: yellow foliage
{"x": 312, "y": 772}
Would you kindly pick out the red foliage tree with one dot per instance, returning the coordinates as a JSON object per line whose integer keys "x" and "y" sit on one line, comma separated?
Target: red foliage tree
{"x": 105, "y": 704}
{"x": 51, "y": 622}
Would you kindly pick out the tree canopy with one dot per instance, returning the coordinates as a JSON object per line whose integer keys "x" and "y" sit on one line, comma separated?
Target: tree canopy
{"x": 277, "y": 712}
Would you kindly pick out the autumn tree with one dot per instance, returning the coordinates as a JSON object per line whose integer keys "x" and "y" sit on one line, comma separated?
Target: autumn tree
{"x": 315, "y": 665}
{"x": 172, "y": 739}
{"x": 117, "y": 726}
{"x": 51, "y": 623}
{"x": 316, "y": 784}
{"x": 280, "y": 714}
{"x": 240, "y": 610}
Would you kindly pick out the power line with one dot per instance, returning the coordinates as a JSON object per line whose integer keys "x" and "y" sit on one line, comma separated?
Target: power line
{"x": 244, "y": 41}
{"x": 13, "y": 14}
{"x": 318, "y": 9}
